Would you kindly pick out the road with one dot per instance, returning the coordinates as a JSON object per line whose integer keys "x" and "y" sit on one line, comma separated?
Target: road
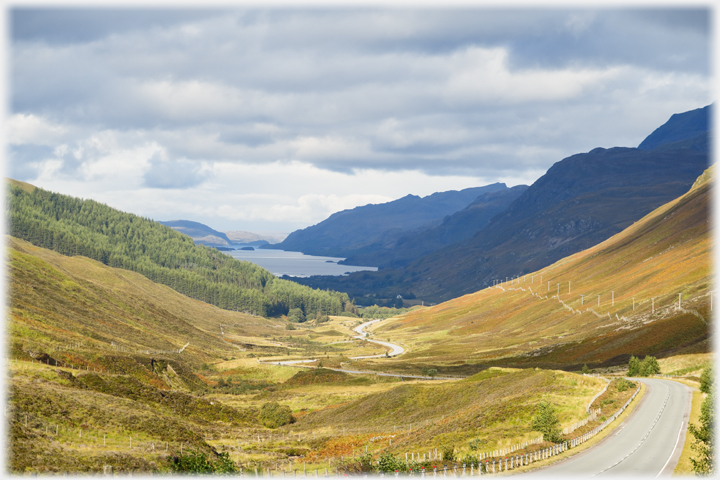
{"x": 360, "y": 330}
{"x": 647, "y": 443}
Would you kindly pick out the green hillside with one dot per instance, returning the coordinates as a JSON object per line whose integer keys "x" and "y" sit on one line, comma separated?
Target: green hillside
{"x": 73, "y": 226}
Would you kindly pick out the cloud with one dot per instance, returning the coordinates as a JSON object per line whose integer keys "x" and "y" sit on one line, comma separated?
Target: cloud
{"x": 164, "y": 173}
{"x": 165, "y": 103}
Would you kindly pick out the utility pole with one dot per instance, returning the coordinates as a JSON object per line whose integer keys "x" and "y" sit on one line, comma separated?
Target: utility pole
{"x": 582, "y": 299}
{"x": 598, "y": 300}
{"x": 569, "y": 282}
{"x": 653, "y": 305}
{"x": 633, "y": 304}
{"x": 679, "y": 300}
{"x": 613, "y": 299}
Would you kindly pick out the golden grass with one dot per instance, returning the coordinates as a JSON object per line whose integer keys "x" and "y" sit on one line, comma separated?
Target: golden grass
{"x": 684, "y": 467}
{"x": 691, "y": 364}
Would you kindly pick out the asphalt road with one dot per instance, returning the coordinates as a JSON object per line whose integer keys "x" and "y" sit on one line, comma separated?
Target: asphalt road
{"x": 647, "y": 443}
{"x": 395, "y": 349}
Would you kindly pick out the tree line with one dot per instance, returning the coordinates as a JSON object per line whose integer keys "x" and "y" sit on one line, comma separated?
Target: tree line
{"x": 73, "y": 226}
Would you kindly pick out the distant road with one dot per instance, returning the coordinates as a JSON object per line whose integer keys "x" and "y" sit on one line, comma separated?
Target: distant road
{"x": 647, "y": 443}
{"x": 360, "y": 330}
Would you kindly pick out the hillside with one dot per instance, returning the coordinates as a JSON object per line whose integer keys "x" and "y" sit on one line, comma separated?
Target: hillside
{"x": 598, "y": 306}
{"x": 100, "y": 355}
{"x": 72, "y": 226}
{"x": 454, "y": 228}
{"x": 580, "y": 201}
{"x": 371, "y": 226}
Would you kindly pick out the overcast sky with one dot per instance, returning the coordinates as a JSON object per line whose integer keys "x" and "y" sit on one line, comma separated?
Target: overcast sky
{"x": 271, "y": 120}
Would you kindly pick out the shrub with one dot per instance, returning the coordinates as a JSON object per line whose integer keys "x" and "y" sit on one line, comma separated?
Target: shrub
{"x": 366, "y": 462}
{"x": 704, "y": 443}
{"x": 546, "y": 422}
{"x": 623, "y": 384}
{"x": 706, "y": 380}
{"x": 432, "y": 372}
{"x": 633, "y": 366}
{"x": 585, "y": 369}
{"x": 649, "y": 366}
{"x": 194, "y": 461}
{"x": 274, "y": 415}
{"x": 469, "y": 459}
{"x": 296, "y": 315}
{"x": 476, "y": 444}
{"x": 448, "y": 453}
{"x": 388, "y": 463}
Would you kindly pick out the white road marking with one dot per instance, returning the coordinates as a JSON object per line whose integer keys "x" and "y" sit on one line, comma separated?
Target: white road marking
{"x": 671, "y": 453}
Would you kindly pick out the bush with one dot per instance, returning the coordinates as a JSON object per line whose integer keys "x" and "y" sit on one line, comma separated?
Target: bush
{"x": 366, "y": 463}
{"x": 448, "y": 453}
{"x": 706, "y": 380}
{"x": 547, "y": 423}
{"x": 194, "y": 461}
{"x": 633, "y": 366}
{"x": 704, "y": 443}
{"x": 649, "y": 366}
{"x": 476, "y": 444}
{"x": 623, "y": 384}
{"x": 388, "y": 463}
{"x": 585, "y": 369}
{"x": 296, "y": 315}
{"x": 274, "y": 415}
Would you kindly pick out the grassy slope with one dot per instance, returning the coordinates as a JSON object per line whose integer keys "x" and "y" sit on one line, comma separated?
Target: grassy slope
{"x": 664, "y": 254}
{"x": 495, "y": 406}
{"x": 56, "y": 300}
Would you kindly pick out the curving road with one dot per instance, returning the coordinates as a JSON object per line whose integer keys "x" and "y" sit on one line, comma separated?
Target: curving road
{"x": 360, "y": 330}
{"x": 648, "y": 442}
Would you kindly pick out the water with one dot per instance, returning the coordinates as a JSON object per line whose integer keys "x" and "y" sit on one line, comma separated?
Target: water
{"x": 295, "y": 264}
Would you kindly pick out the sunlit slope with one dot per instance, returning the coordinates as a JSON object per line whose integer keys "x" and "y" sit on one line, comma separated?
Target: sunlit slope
{"x": 494, "y": 405}
{"x": 525, "y": 321}
{"x": 57, "y": 300}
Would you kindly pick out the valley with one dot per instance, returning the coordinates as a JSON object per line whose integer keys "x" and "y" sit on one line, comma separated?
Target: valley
{"x": 271, "y": 241}
{"x": 111, "y": 370}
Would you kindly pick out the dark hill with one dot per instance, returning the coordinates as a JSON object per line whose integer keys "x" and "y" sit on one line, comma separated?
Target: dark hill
{"x": 454, "y": 228}
{"x": 348, "y": 232}
{"x": 580, "y": 201}
{"x": 681, "y": 126}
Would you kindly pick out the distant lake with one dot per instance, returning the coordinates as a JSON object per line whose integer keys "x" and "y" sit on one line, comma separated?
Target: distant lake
{"x": 295, "y": 264}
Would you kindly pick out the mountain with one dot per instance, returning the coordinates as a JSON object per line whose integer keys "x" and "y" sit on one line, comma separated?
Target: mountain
{"x": 454, "y": 228}
{"x": 240, "y": 236}
{"x": 72, "y": 226}
{"x": 199, "y": 233}
{"x": 681, "y": 126}
{"x": 348, "y": 232}
{"x": 644, "y": 291}
{"x": 580, "y": 201}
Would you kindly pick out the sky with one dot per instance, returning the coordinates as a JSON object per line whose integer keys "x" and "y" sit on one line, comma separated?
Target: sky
{"x": 272, "y": 119}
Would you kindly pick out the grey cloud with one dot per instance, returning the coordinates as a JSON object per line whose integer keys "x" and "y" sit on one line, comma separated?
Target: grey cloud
{"x": 164, "y": 173}
{"x": 24, "y": 160}
{"x": 79, "y": 25}
{"x": 199, "y": 82}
